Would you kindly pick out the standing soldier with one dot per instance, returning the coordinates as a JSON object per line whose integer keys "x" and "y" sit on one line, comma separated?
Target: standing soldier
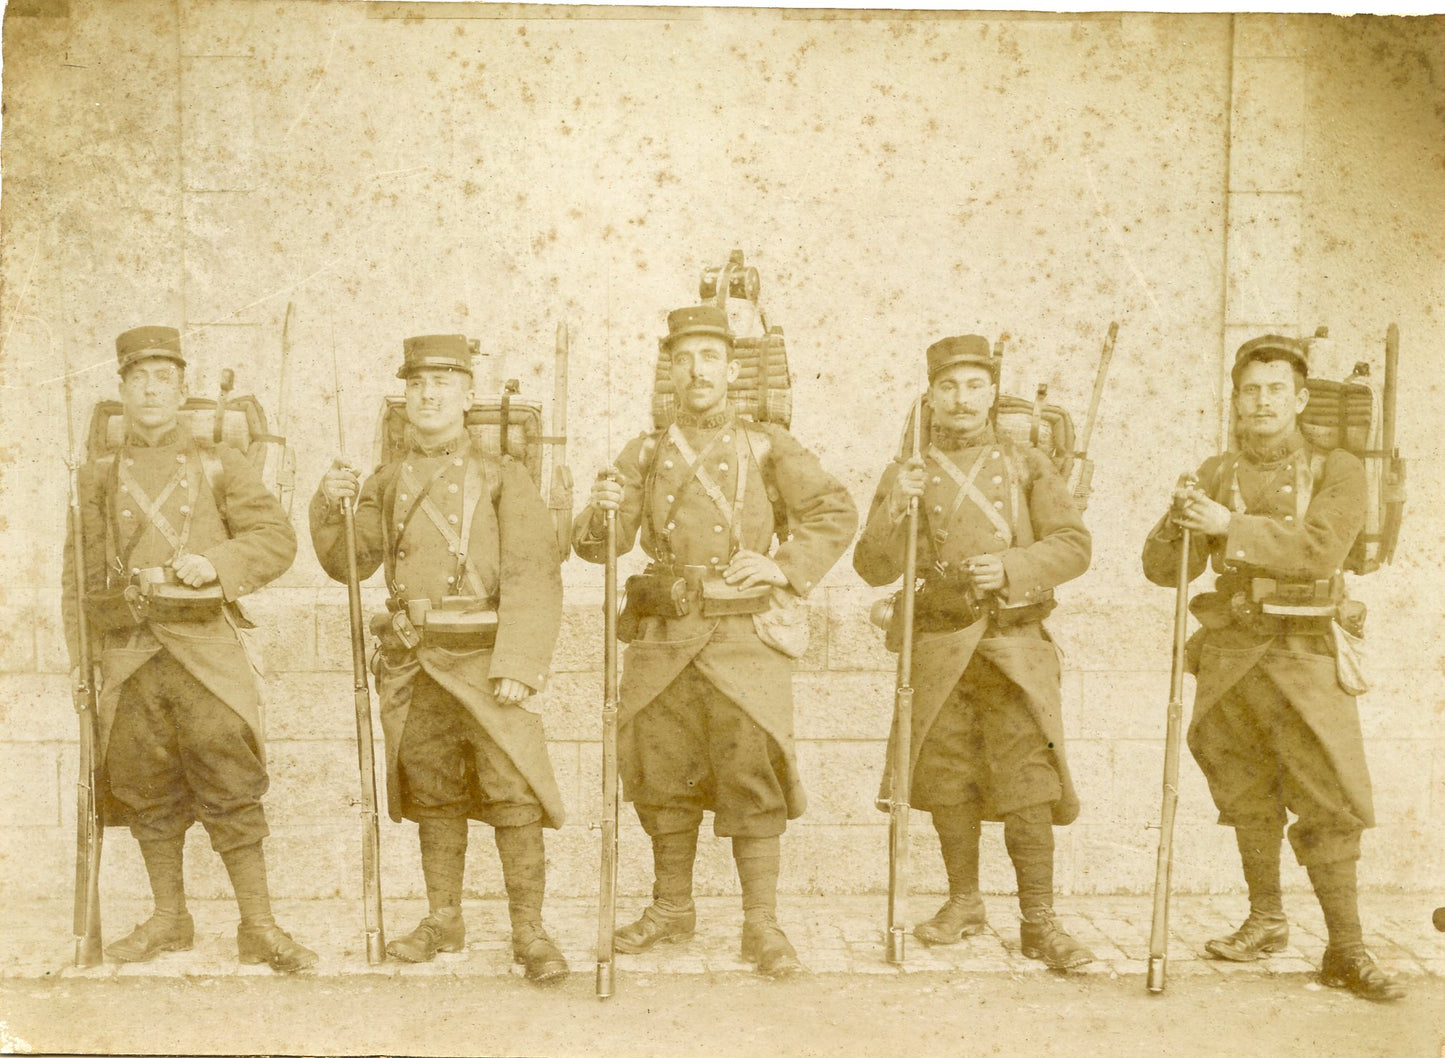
{"x": 174, "y": 534}
{"x": 999, "y": 530}
{"x": 466, "y": 538}
{"x": 1272, "y": 727}
{"x": 706, "y": 713}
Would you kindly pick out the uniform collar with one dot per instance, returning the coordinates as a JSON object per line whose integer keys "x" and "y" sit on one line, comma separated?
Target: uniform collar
{"x": 177, "y": 434}
{"x": 953, "y": 440}
{"x": 715, "y": 421}
{"x": 446, "y": 448}
{"x": 1274, "y": 454}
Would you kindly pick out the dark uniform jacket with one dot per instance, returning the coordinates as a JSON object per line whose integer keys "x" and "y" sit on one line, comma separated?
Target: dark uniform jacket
{"x": 1015, "y": 505}
{"x": 686, "y": 526}
{"x": 251, "y": 545}
{"x": 1297, "y": 513}
{"x": 514, "y": 560}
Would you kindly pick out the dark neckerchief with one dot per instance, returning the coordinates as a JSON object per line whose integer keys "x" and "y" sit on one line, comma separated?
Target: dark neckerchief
{"x": 1272, "y": 456}
{"x": 713, "y": 421}
{"x": 948, "y": 440}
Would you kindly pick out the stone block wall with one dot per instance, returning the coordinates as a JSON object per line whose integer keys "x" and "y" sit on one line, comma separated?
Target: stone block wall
{"x": 393, "y": 169}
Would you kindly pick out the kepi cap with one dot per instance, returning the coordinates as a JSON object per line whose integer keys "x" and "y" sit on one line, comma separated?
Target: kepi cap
{"x": 142, "y": 343}
{"x": 1255, "y": 349}
{"x": 697, "y": 319}
{"x": 450, "y": 352}
{"x": 962, "y": 349}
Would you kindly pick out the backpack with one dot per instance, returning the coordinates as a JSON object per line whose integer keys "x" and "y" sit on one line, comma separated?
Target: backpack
{"x": 763, "y": 391}
{"x": 239, "y": 422}
{"x": 1357, "y": 415}
{"x": 524, "y": 440}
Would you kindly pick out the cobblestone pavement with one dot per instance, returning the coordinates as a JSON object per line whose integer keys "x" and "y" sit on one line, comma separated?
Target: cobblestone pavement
{"x": 842, "y": 935}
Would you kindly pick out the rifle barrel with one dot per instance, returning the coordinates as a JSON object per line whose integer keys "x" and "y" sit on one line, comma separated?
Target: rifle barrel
{"x": 607, "y": 893}
{"x": 366, "y": 756}
{"x": 88, "y": 830}
{"x": 1164, "y": 866}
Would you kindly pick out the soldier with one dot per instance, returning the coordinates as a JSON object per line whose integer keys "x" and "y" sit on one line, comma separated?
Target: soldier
{"x": 449, "y": 522}
{"x": 180, "y": 710}
{"x": 706, "y": 713}
{"x": 998, "y": 532}
{"x": 1272, "y": 728}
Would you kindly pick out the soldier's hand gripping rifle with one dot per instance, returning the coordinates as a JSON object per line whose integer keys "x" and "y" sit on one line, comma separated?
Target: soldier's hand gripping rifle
{"x": 1159, "y": 927}
{"x": 901, "y": 762}
{"x": 361, "y": 694}
{"x": 88, "y": 829}
{"x": 607, "y": 892}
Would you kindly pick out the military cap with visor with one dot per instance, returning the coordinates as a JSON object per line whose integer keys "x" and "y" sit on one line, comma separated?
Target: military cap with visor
{"x": 697, "y": 319}
{"x": 961, "y": 349}
{"x": 143, "y": 343}
{"x": 448, "y": 352}
{"x": 1292, "y": 349}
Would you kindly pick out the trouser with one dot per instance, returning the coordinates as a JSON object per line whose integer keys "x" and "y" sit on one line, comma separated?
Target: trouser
{"x": 985, "y": 748}
{"x": 451, "y": 767}
{"x": 1261, "y": 758}
{"x": 178, "y": 753}
{"x": 691, "y": 749}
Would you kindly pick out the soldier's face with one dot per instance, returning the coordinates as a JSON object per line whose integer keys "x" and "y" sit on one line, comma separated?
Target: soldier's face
{"x": 1267, "y": 401}
{"x": 436, "y": 401}
{"x": 961, "y": 397}
{"x": 701, "y": 372}
{"x": 152, "y": 392}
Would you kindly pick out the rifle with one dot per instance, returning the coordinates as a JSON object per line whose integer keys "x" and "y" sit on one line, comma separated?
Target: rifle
{"x": 607, "y": 893}
{"x": 1159, "y": 928}
{"x": 901, "y": 763}
{"x": 559, "y": 497}
{"x": 361, "y": 695}
{"x": 1085, "y": 483}
{"x": 88, "y": 828}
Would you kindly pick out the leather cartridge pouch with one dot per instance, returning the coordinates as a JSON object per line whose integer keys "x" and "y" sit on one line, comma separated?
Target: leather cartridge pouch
{"x": 719, "y": 598}
{"x": 115, "y": 609}
{"x": 458, "y": 621}
{"x": 652, "y": 593}
{"x": 153, "y": 594}
{"x": 943, "y": 604}
{"x": 167, "y": 600}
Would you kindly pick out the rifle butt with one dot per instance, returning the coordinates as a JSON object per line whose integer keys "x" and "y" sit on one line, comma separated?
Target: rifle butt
{"x": 88, "y": 947}
{"x": 898, "y": 810}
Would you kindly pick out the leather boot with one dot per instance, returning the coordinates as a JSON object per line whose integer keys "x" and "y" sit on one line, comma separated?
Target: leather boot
{"x": 1353, "y": 968}
{"x": 1266, "y": 930}
{"x": 1259, "y": 937}
{"x": 170, "y": 927}
{"x": 258, "y": 938}
{"x": 442, "y": 930}
{"x": 534, "y": 949}
{"x": 273, "y": 946}
{"x": 765, "y": 945}
{"x": 524, "y": 872}
{"x": 1041, "y": 937}
{"x": 659, "y": 924}
{"x": 1029, "y": 837}
{"x": 672, "y": 916}
{"x": 960, "y": 916}
{"x": 161, "y": 932}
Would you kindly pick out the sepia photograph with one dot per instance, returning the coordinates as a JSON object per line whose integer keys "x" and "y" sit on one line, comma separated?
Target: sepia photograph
{"x": 600, "y": 530}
